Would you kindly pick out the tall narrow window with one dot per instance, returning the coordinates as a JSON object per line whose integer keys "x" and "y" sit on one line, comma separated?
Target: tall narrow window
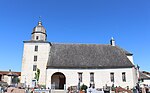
{"x": 0, "y": 77}
{"x": 36, "y": 48}
{"x": 37, "y": 37}
{"x": 80, "y": 76}
{"x": 92, "y": 77}
{"x": 34, "y": 67}
{"x": 112, "y": 77}
{"x": 35, "y": 58}
{"x": 124, "y": 77}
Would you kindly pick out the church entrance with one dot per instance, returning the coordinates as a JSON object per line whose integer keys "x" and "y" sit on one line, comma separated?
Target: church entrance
{"x": 58, "y": 80}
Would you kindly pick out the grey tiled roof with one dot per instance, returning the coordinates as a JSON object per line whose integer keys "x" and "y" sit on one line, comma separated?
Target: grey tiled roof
{"x": 143, "y": 76}
{"x": 87, "y": 56}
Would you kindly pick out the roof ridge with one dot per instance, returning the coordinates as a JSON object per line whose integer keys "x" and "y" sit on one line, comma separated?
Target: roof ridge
{"x": 78, "y": 43}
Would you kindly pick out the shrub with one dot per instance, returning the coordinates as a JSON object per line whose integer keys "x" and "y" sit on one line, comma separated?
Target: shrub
{"x": 83, "y": 87}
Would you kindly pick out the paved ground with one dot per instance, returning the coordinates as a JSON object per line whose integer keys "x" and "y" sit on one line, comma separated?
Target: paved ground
{"x": 15, "y": 90}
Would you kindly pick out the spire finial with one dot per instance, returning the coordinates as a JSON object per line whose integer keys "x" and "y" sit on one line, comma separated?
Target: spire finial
{"x": 40, "y": 18}
{"x": 40, "y": 22}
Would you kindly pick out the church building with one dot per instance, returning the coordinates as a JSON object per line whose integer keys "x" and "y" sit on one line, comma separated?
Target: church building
{"x": 63, "y": 65}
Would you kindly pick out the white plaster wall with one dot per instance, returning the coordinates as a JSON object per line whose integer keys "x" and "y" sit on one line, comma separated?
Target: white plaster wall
{"x": 130, "y": 58}
{"x": 40, "y": 35}
{"x": 9, "y": 81}
{"x": 101, "y": 77}
{"x": 5, "y": 78}
{"x": 135, "y": 75}
{"x": 146, "y": 81}
{"x": 27, "y": 73}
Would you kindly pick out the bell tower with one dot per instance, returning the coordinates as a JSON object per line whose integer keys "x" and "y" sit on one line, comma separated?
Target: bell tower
{"x": 35, "y": 56}
{"x": 39, "y": 33}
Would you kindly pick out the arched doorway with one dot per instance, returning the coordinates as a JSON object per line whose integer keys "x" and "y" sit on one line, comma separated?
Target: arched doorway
{"x": 58, "y": 80}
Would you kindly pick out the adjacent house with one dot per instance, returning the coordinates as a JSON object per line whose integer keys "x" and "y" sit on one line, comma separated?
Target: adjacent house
{"x": 144, "y": 78}
{"x": 9, "y": 77}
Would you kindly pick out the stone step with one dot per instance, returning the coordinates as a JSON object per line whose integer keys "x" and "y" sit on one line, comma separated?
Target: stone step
{"x": 58, "y": 91}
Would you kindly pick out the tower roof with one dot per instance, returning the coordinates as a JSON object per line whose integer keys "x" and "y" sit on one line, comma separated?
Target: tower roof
{"x": 39, "y": 28}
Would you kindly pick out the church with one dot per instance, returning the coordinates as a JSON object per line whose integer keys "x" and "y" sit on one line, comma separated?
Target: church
{"x": 63, "y": 65}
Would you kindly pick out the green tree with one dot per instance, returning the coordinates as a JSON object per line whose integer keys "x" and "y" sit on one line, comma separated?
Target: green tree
{"x": 37, "y": 74}
{"x": 83, "y": 87}
{"x": 15, "y": 80}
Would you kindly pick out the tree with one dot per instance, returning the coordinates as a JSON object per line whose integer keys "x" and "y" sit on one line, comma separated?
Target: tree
{"x": 37, "y": 74}
{"x": 15, "y": 80}
{"x": 83, "y": 87}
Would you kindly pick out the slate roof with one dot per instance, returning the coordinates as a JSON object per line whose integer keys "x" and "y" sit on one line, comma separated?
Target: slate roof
{"x": 87, "y": 56}
{"x": 143, "y": 76}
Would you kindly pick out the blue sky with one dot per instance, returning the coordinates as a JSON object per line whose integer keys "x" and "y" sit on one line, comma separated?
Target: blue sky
{"x": 75, "y": 21}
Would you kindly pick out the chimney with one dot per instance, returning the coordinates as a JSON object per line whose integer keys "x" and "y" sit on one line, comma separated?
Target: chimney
{"x": 112, "y": 41}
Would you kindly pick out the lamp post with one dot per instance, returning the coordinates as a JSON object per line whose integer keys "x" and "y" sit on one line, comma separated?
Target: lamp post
{"x": 79, "y": 86}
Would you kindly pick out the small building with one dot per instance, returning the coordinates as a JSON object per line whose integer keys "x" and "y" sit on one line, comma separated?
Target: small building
{"x": 144, "y": 78}
{"x": 9, "y": 77}
{"x": 63, "y": 65}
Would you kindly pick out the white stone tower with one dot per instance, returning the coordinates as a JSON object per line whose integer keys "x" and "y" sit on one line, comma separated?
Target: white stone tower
{"x": 35, "y": 55}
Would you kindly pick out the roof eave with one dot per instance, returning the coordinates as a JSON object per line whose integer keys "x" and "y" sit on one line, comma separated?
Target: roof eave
{"x": 32, "y": 41}
{"x": 70, "y": 67}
